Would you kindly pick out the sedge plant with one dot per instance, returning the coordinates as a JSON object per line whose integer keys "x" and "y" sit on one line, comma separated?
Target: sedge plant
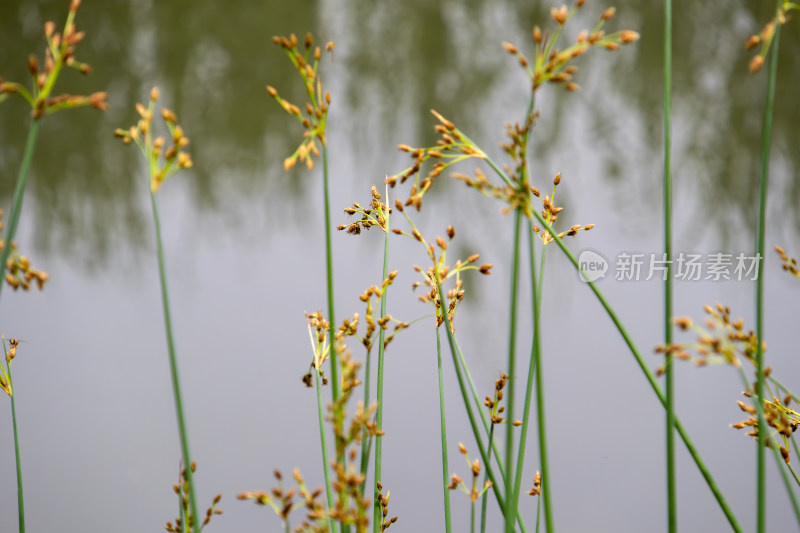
{"x": 59, "y": 53}
{"x": 165, "y": 156}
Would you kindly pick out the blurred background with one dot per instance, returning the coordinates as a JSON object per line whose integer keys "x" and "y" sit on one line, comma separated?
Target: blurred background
{"x": 245, "y": 254}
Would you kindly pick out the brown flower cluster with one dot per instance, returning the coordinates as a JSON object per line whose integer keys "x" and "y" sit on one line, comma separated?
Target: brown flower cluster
{"x": 452, "y": 147}
{"x": 11, "y": 353}
{"x": 536, "y": 490}
{"x": 722, "y": 341}
{"x": 60, "y": 52}
{"x": 439, "y": 271}
{"x": 19, "y": 272}
{"x": 314, "y": 115}
{"x": 553, "y": 65}
{"x": 174, "y": 157}
{"x": 377, "y": 214}
{"x": 493, "y": 404}
{"x": 182, "y": 489}
{"x": 384, "y": 503}
{"x": 789, "y": 263}
{"x": 475, "y": 467}
{"x": 779, "y": 416}
{"x": 283, "y": 502}
{"x": 767, "y": 34}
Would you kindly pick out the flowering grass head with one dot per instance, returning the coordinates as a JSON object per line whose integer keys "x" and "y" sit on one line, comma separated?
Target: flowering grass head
{"x": 60, "y": 52}
{"x": 314, "y": 114}
{"x": 552, "y": 65}
{"x": 767, "y": 34}
{"x": 164, "y": 158}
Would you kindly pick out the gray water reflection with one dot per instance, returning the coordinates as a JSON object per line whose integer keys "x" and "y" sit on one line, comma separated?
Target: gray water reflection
{"x": 245, "y": 251}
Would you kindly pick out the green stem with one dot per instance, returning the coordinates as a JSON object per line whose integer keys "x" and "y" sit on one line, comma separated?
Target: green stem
{"x": 484, "y": 498}
{"x": 365, "y": 441}
{"x": 651, "y": 379}
{"x": 329, "y": 276}
{"x": 762, "y": 214}
{"x": 20, "y": 499}
{"x": 324, "y": 443}
{"x": 19, "y": 193}
{"x": 672, "y": 509}
{"x": 512, "y": 341}
{"x": 173, "y": 367}
{"x": 377, "y": 516}
{"x": 445, "y": 465}
{"x": 536, "y": 365}
{"x": 454, "y": 352}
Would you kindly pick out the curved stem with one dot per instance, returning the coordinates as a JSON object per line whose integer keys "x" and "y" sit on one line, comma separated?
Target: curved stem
{"x": 651, "y": 379}
{"x": 173, "y": 367}
{"x": 454, "y": 352}
{"x": 19, "y": 193}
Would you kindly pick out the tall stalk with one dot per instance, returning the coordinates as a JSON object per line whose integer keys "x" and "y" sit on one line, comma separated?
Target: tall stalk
{"x": 512, "y": 340}
{"x": 173, "y": 367}
{"x": 324, "y": 444}
{"x": 766, "y": 129}
{"x": 19, "y": 193}
{"x": 651, "y": 380}
{"x": 445, "y": 465}
{"x": 16, "y": 208}
{"x": 377, "y": 515}
{"x": 672, "y": 510}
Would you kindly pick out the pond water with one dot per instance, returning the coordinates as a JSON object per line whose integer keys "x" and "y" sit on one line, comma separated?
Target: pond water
{"x": 245, "y": 254}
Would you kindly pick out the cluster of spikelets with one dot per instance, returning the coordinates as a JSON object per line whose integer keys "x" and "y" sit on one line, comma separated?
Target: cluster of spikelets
{"x": 283, "y": 502}
{"x": 186, "y": 520}
{"x": 377, "y": 214}
{"x": 60, "y": 52}
{"x": 435, "y": 276}
{"x": 767, "y": 34}
{"x": 553, "y": 65}
{"x": 474, "y": 491}
{"x": 725, "y": 341}
{"x": 314, "y": 115}
{"x": 493, "y": 404}
{"x": 163, "y": 162}
{"x": 19, "y": 272}
{"x": 778, "y": 415}
{"x": 11, "y": 353}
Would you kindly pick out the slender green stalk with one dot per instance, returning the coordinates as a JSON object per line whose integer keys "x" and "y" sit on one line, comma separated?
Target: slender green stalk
{"x": 512, "y": 342}
{"x": 324, "y": 443}
{"x": 445, "y": 466}
{"x": 329, "y": 273}
{"x": 651, "y": 379}
{"x": 760, "y": 240}
{"x": 13, "y": 221}
{"x": 484, "y": 498}
{"x": 20, "y": 499}
{"x": 540, "y": 411}
{"x": 454, "y": 352}
{"x": 173, "y": 367}
{"x": 672, "y": 509}
{"x": 366, "y": 443}
{"x": 377, "y": 516}
{"x": 19, "y": 193}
